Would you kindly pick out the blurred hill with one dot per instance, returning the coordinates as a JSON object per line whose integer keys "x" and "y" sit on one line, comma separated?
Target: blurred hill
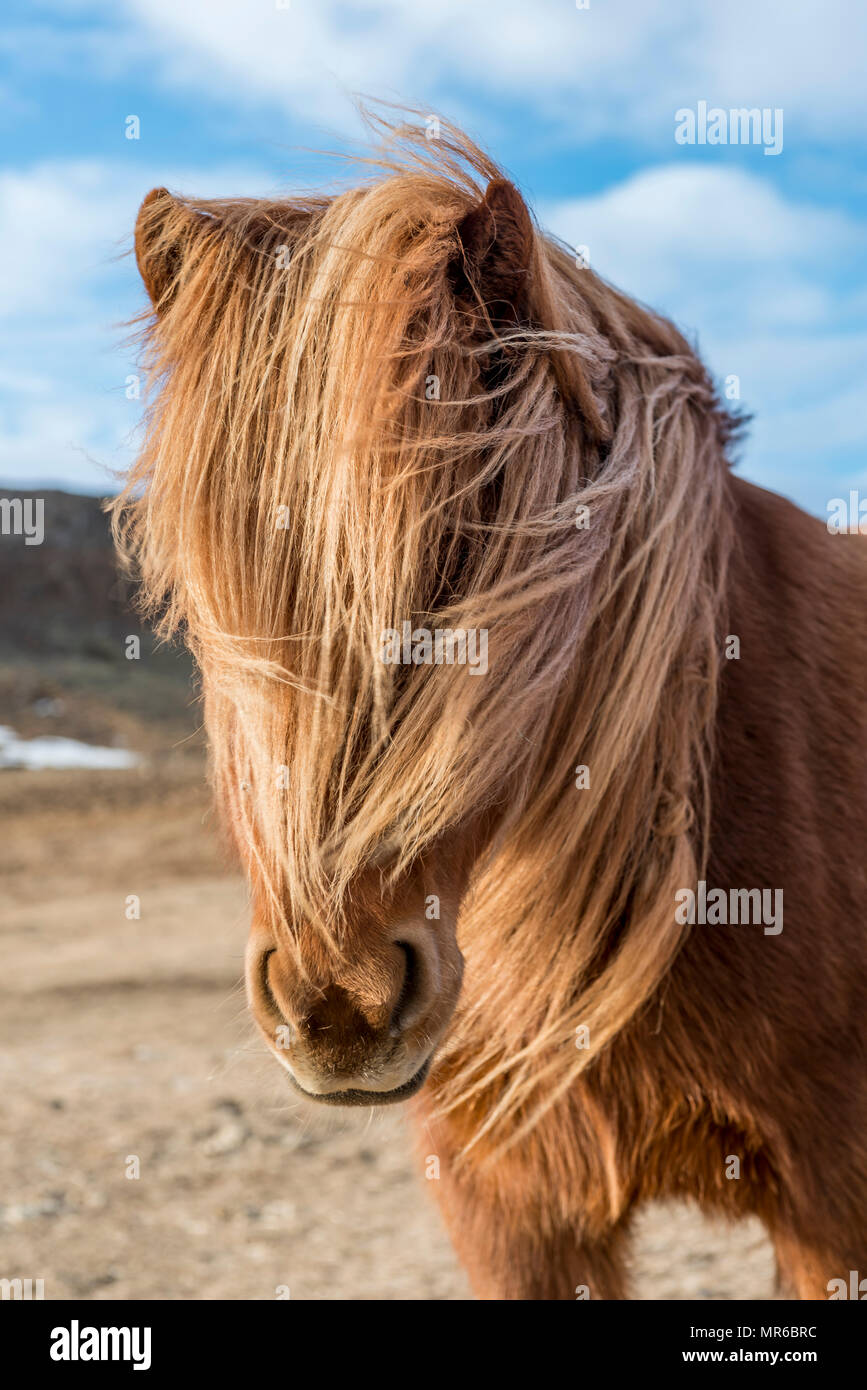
{"x": 65, "y": 615}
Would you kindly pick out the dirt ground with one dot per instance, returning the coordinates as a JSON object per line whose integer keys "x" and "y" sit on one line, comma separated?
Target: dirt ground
{"x": 125, "y": 1040}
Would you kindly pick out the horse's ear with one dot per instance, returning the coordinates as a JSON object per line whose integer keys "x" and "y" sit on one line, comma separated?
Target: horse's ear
{"x": 499, "y": 278}
{"x": 162, "y": 229}
{"x": 496, "y": 247}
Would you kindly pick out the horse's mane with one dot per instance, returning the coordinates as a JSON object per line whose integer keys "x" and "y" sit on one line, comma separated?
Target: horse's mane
{"x": 298, "y": 379}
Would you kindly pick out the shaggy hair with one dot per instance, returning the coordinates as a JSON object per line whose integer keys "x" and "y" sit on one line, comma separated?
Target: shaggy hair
{"x": 299, "y": 492}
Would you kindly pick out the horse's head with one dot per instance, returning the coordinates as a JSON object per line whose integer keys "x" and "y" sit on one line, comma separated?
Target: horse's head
{"x": 395, "y": 481}
{"x": 323, "y": 467}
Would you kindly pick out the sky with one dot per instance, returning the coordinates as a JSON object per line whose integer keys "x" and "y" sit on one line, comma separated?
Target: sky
{"x": 756, "y": 252}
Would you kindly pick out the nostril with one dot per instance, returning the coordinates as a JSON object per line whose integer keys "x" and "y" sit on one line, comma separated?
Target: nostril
{"x": 265, "y": 983}
{"x": 409, "y": 989}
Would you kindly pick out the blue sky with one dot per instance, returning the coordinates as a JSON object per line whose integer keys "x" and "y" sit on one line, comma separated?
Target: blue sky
{"x": 760, "y": 258}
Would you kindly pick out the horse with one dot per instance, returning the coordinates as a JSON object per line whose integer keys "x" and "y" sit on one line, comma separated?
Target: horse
{"x": 400, "y": 410}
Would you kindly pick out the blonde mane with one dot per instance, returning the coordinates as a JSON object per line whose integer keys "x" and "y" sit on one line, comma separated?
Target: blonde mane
{"x": 301, "y": 489}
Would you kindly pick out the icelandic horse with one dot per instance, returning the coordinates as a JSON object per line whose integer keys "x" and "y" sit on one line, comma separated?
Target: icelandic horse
{"x": 405, "y": 405}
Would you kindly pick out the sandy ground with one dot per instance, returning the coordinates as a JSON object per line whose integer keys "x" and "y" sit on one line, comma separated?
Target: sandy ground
{"x": 128, "y": 1040}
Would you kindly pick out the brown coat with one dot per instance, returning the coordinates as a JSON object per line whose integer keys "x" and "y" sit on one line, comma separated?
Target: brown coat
{"x": 754, "y": 1047}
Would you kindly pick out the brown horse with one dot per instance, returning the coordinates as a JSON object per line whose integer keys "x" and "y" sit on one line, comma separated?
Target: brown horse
{"x": 541, "y": 735}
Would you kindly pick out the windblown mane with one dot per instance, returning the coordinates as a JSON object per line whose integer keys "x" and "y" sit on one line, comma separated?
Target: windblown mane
{"x": 298, "y": 493}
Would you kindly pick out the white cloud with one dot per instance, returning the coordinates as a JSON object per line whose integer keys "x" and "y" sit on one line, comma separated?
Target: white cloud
{"x": 706, "y": 212}
{"x": 713, "y": 242}
{"x": 763, "y": 282}
{"x": 609, "y": 70}
{"x": 64, "y": 296}
{"x": 616, "y": 70}
{"x": 56, "y": 224}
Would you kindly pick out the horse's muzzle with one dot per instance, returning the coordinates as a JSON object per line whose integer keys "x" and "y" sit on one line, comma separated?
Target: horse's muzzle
{"x": 362, "y": 1033}
{"x": 357, "y": 1097}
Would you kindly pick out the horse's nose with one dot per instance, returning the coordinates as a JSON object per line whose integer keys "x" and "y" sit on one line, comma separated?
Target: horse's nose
{"x": 362, "y": 1018}
{"x": 356, "y": 1004}
{"x": 361, "y": 1033}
